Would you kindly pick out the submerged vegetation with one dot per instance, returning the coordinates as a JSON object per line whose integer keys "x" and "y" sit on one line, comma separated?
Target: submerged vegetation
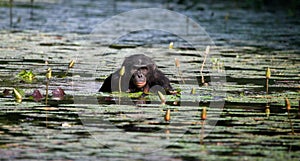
{"x": 28, "y": 77}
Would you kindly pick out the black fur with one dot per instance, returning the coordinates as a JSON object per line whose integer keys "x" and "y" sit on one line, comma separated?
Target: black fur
{"x": 132, "y": 64}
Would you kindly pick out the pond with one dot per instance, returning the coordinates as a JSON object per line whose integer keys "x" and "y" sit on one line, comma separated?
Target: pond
{"x": 243, "y": 122}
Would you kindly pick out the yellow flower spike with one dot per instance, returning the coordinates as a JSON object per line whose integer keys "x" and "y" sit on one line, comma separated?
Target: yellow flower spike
{"x": 122, "y": 71}
{"x": 17, "y": 94}
{"x": 168, "y": 115}
{"x": 268, "y": 73}
{"x": 177, "y": 63}
{"x": 267, "y": 112}
{"x": 288, "y": 108}
{"x": 287, "y": 104}
{"x": 268, "y": 76}
{"x": 49, "y": 73}
{"x": 72, "y": 63}
{"x": 204, "y": 114}
{"x": 193, "y": 91}
{"x": 207, "y": 49}
{"x": 162, "y": 97}
{"x": 171, "y": 45}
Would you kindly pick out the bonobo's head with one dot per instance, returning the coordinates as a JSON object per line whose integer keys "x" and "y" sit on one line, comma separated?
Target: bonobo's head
{"x": 140, "y": 68}
{"x": 139, "y": 76}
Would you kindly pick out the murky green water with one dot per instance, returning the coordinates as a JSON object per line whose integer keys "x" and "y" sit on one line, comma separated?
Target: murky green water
{"x": 87, "y": 125}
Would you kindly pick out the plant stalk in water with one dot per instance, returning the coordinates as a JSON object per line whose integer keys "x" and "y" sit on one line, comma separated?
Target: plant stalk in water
{"x": 48, "y": 76}
{"x": 202, "y": 132}
{"x": 203, "y": 64}
{"x": 121, "y": 73}
{"x": 193, "y": 91}
{"x": 288, "y": 107}
{"x": 268, "y": 76}
{"x": 203, "y": 118}
{"x": 267, "y": 110}
{"x": 71, "y": 65}
{"x": 177, "y": 64}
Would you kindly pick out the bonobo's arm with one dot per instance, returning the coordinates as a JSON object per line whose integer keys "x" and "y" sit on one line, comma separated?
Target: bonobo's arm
{"x": 106, "y": 86}
{"x": 158, "y": 78}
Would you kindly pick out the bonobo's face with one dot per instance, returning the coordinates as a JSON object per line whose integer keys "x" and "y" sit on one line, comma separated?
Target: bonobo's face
{"x": 139, "y": 76}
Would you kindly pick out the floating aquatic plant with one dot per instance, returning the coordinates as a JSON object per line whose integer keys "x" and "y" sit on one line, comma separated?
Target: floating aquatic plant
{"x": 26, "y": 76}
{"x": 6, "y": 92}
{"x": 58, "y": 93}
{"x": 37, "y": 96}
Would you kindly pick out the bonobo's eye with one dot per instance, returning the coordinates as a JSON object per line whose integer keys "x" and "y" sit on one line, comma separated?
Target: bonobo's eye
{"x": 133, "y": 70}
{"x": 140, "y": 68}
{"x": 144, "y": 70}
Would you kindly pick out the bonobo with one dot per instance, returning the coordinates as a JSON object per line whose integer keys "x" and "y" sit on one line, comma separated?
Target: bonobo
{"x": 140, "y": 74}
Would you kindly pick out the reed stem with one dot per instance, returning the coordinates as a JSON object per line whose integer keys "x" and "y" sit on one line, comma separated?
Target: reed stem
{"x": 177, "y": 64}
{"x": 203, "y": 63}
{"x": 121, "y": 73}
{"x": 291, "y": 123}
{"x": 47, "y": 93}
